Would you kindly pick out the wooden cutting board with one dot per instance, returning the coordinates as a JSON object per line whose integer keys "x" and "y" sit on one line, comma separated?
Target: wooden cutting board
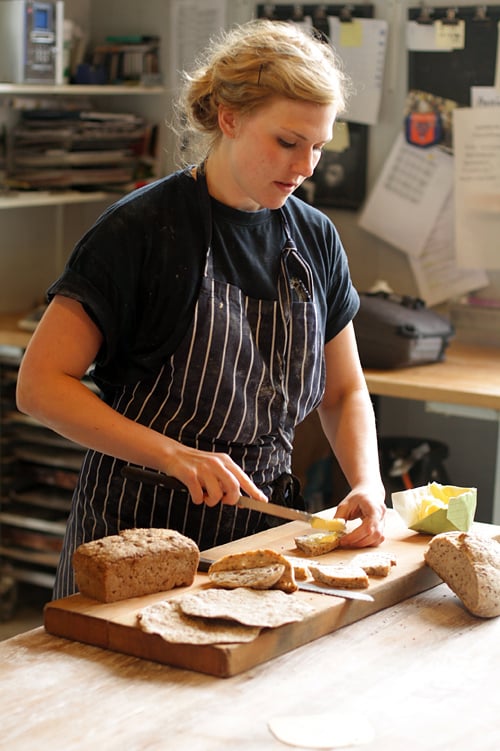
{"x": 113, "y": 625}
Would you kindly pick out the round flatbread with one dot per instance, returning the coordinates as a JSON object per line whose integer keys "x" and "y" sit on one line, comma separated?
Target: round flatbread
{"x": 265, "y": 608}
{"x": 328, "y": 731}
{"x": 168, "y": 621}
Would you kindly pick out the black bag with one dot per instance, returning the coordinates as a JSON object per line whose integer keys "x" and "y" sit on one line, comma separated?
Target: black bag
{"x": 408, "y": 462}
{"x": 396, "y": 331}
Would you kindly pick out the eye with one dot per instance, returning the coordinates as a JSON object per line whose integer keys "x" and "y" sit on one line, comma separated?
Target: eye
{"x": 285, "y": 144}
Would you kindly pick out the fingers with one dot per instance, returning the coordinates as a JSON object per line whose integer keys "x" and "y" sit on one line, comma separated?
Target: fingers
{"x": 214, "y": 478}
{"x": 370, "y": 532}
{"x": 366, "y": 535}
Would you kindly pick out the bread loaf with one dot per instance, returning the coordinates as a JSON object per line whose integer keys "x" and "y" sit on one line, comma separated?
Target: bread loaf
{"x": 224, "y": 571}
{"x": 135, "y": 562}
{"x": 470, "y": 566}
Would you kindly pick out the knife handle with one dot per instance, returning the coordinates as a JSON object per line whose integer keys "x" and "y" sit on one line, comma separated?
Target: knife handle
{"x": 152, "y": 478}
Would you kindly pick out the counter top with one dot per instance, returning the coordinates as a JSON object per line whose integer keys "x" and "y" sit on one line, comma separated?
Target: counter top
{"x": 468, "y": 375}
{"x": 421, "y": 672}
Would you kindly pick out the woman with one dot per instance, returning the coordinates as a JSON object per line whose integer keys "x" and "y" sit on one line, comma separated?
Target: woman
{"x": 216, "y": 308}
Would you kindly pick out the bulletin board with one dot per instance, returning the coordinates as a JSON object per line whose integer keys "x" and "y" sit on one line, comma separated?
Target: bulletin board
{"x": 451, "y": 74}
{"x": 340, "y": 178}
{"x": 471, "y": 61}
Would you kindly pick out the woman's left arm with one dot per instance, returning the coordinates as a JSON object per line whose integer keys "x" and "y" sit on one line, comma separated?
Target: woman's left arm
{"x": 348, "y": 420}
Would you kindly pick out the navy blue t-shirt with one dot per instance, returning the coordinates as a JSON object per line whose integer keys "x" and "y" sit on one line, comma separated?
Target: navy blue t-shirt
{"x": 137, "y": 270}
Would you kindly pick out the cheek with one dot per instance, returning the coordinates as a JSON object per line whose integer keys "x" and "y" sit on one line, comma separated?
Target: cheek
{"x": 260, "y": 157}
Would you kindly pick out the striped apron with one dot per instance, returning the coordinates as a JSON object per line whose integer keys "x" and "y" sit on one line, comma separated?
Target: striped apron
{"x": 246, "y": 373}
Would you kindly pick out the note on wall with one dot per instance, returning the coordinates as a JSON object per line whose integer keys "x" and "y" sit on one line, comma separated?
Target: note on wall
{"x": 193, "y": 23}
{"x": 485, "y": 96}
{"x": 361, "y": 44}
{"x": 437, "y": 275}
{"x": 411, "y": 207}
{"x": 408, "y": 196}
{"x": 476, "y": 135}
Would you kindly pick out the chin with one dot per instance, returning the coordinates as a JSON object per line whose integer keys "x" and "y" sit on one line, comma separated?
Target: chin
{"x": 275, "y": 203}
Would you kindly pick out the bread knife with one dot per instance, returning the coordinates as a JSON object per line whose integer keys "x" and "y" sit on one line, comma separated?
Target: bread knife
{"x": 273, "y": 509}
{"x": 348, "y": 594}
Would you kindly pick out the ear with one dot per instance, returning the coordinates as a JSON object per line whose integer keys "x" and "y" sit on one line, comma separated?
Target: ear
{"x": 228, "y": 121}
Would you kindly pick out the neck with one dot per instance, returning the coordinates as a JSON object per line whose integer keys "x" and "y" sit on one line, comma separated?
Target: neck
{"x": 222, "y": 186}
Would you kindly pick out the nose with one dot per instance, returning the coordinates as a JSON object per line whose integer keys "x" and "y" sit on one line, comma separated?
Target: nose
{"x": 307, "y": 162}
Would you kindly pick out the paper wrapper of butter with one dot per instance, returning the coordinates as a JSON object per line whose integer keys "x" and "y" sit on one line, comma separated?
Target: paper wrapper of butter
{"x": 435, "y": 508}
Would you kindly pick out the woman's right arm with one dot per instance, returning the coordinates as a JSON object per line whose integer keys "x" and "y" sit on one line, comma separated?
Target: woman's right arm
{"x": 50, "y": 388}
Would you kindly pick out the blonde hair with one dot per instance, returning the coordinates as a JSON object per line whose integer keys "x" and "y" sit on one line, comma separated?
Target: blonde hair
{"x": 245, "y": 67}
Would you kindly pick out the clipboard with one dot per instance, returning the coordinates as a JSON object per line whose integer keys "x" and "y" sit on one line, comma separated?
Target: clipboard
{"x": 451, "y": 74}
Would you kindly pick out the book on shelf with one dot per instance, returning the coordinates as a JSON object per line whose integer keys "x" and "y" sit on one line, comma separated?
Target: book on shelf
{"x": 129, "y": 59}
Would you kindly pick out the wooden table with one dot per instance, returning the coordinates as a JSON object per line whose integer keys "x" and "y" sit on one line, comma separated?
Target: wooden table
{"x": 424, "y": 673}
{"x": 466, "y": 384}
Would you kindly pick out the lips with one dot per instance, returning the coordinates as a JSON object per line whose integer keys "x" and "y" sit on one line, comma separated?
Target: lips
{"x": 287, "y": 186}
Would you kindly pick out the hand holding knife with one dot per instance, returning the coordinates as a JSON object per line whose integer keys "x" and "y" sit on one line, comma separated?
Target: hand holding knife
{"x": 273, "y": 509}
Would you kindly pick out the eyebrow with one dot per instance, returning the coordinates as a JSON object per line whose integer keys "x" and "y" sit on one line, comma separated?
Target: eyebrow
{"x": 303, "y": 138}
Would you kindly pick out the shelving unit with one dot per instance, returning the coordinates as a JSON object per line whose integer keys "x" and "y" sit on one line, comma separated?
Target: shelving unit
{"x": 39, "y": 229}
{"x": 36, "y": 198}
{"x": 38, "y": 469}
{"x": 78, "y": 90}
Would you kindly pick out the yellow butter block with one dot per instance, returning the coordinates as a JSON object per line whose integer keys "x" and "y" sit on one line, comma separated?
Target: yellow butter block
{"x": 435, "y": 508}
{"x": 330, "y": 525}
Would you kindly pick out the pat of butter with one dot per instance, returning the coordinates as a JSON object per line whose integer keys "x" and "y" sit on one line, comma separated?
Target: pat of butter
{"x": 430, "y": 505}
{"x": 331, "y": 525}
{"x": 435, "y": 508}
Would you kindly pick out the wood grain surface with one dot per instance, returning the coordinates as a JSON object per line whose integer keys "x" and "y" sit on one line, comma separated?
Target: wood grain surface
{"x": 113, "y": 625}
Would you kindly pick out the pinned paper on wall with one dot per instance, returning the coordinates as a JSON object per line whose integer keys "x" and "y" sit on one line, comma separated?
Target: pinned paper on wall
{"x": 408, "y": 196}
{"x": 411, "y": 207}
{"x": 485, "y": 96}
{"x": 361, "y": 44}
{"x": 437, "y": 275}
{"x": 422, "y": 38}
{"x": 476, "y": 134}
{"x": 193, "y": 23}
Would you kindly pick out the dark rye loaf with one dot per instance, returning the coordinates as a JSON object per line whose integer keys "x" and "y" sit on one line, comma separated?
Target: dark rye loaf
{"x": 134, "y": 563}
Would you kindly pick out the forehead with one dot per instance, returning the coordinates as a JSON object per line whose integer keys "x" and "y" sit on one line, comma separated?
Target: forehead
{"x": 306, "y": 120}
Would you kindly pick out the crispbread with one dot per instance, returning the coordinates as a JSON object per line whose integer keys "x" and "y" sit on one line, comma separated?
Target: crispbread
{"x": 263, "y": 577}
{"x": 270, "y": 608}
{"x": 318, "y": 543}
{"x": 168, "y": 621}
{"x": 375, "y": 563}
{"x": 256, "y": 559}
{"x": 345, "y": 576}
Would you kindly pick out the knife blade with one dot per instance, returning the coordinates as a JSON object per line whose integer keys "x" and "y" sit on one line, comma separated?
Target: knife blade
{"x": 273, "y": 509}
{"x": 348, "y": 594}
